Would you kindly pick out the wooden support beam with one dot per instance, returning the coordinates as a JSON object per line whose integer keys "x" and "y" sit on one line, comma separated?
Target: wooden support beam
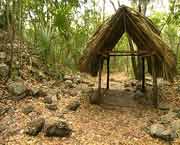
{"x": 96, "y": 97}
{"x": 127, "y": 54}
{"x": 108, "y": 72}
{"x": 99, "y": 82}
{"x": 143, "y": 75}
{"x": 155, "y": 86}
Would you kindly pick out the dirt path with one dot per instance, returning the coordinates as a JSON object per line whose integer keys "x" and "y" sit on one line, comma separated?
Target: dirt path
{"x": 91, "y": 124}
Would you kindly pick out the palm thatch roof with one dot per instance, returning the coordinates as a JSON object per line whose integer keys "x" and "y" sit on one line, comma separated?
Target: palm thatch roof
{"x": 143, "y": 33}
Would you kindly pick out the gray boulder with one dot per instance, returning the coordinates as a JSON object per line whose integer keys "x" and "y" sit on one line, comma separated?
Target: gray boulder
{"x": 168, "y": 135}
{"x": 35, "y": 126}
{"x": 57, "y": 128}
{"x": 156, "y": 129}
{"x": 17, "y": 90}
{"x": 159, "y": 131}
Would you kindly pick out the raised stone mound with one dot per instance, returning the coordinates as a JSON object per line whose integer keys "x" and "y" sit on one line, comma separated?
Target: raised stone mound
{"x": 24, "y": 62}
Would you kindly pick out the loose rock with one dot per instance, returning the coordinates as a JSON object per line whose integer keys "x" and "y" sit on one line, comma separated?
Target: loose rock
{"x": 3, "y": 127}
{"x": 57, "y": 128}
{"x": 175, "y": 125}
{"x": 34, "y": 91}
{"x": 17, "y": 90}
{"x": 126, "y": 85}
{"x": 68, "y": 77}
{"x": 69, "y": 83}
{"x": 51, "y": 107}
{"x": 2, "y": 56}
{"x": 28, "y": 109}
{"x": 77, "y": 80}
{"x": 42, "y": 93}
{"x": 54, "y": 99}
{"x": 35, "y": 126}
{"x": 176, "y": 109}
{"x": 164, "y": 106}
{"x": 138, "y": 94}
{"x": 156, "y": 129}
{"x": 168, "y": 135}
{"x": 178, "y": 115}
{"x": 73, "y": 93}
{"x": 167, "y": 117}
{"x": 48, "y": 100}
{"x": 127, "y": 89}
{"x": 4, "y": 69}
{"x": 3, "y": 110}
{"x": 73, "y": 106}
{"x": 133, "y": 83}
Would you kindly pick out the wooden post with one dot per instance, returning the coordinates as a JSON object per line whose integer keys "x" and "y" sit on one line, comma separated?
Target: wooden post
{"x": 108, "y": 60}
{"x": 96, "y": 97}
{"x": 99, "y": 83}
{"x": 143, "y": 75}
{"x": 155, "y": 87}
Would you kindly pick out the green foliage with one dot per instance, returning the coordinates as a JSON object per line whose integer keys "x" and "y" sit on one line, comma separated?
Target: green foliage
{"x": 159, "y": 19}
{"x": 59, "y": 29}
{"x": 170, "y": 29}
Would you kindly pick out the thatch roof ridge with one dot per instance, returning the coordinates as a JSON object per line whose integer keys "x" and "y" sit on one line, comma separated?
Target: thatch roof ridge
{"x": 141, "y": 30}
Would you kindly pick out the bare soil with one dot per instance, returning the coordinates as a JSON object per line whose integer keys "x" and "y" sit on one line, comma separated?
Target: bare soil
{"x": 121, "y": 122}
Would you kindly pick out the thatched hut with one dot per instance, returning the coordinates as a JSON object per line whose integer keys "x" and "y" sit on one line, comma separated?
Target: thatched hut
{"x": 143, "y": 33}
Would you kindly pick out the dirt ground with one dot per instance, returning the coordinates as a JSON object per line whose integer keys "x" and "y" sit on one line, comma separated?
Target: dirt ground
{"x": 121, "y": 122}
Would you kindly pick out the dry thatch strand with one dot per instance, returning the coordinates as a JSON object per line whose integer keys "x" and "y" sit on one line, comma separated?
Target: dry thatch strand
{"x": 143, "y": 33}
